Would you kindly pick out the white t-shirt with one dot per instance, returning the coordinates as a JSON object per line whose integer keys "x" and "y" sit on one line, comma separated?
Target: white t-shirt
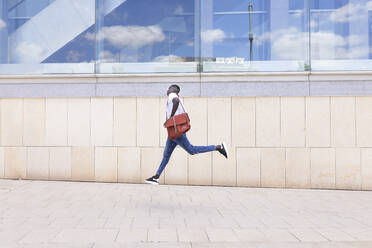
{"x": 180, "y": 110}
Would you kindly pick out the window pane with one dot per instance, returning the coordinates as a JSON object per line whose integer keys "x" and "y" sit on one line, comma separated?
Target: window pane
{"x": 147, "y": 36}
{"x": 271, "y": 36}
{"x": 46, "y": 36}
{"x": 340, "y": 35}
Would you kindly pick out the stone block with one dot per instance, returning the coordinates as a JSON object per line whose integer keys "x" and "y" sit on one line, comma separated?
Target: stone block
{"x": 323, "y": 168}
{"x": 12, "y": 122}
{"x": 150, "y": 161}
{"x": 34, "y": 122}
{"x": 60, "y": 163}
{"x": 148, "y": 122}
{"x": 343, "y": 121}
{"x": 2, "y": 162}
{"x": 219, "y": 120}
{"x": 196, "y": 107}
{"x": 79, "y": 121}
{"x": 318, "y": 124}
{"x": 125, "y": 122}
{"x": 248, "y": 161}
{"x": 224, "y": 170}
{"x": 82, "y": 163}
{"x": 163, "y": 134}
{"x": 364, "y": 121}
{"x": 38, "y": 163}
{"x": 15, "y": 162}
{"x": 129, "y": 166}
{"x": 292, "y": 121}
{"x": 348, "y": 168}
{"x": 56, "y": 121}
{"x": 176, "y": 171}
{"x": 273, "y": 167}
{"x": 244, "y": 121}
{"x": 200, "y": 169}
{"x": 102, "y": 118}
{"x": 106, "y": 164}
{"x": 366, "y": 168}
{"x": 268, "y": 121}
{"x": 297, "y": 168}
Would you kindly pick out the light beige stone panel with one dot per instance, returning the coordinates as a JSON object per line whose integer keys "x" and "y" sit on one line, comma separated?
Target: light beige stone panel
{"x": 248, "y": 167}
{"x": 150, "y": 161}
{"x": 343, "y": 121}
{"x": 224, "y": 170}
{"x": 176, "y": 172}
{"x": 366, "y": 168}
{"x": 272, "y": 167}
{"x": 102, "y": 119}
{"x": 106, "y": 164}
{"x": 79, "y": 121}
{"x": 34, "y": 122}
{"x": 15, "y": 162}
{"x": 323, "y": 168}
{"x": 219, "y": 120}
{"x": 318, "y": 122}
{"x": 196, "y": 107}
{"x": 11, "y": 122}
{"x": 268, "y": 121}
{"x": 2, "y": 162}
{"x": 56, "y": 121}
{"x": 200, "y": 169}
{"x": 148, "y": 122}
{"x": 38, "y": 163}
{"x": 60, "y": 163}
{"x": 297, "y": 168}
{"x": 163, "y": 134}
{"x": 82, "y": 163}
{"x": 129, "y": 164}
{"x": 364, "y": 121}
{"x": 244, "y": 121}
{"x": 125, "y": 122}
{"x": 348, "y": 168}
{"x": 292, "y": 121}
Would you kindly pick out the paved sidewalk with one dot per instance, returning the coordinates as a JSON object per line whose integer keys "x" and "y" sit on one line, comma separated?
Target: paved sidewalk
{"x": 104, "y": 215}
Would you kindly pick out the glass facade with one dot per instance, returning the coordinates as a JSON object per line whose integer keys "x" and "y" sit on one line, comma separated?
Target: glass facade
{"x": 155, "y": 36}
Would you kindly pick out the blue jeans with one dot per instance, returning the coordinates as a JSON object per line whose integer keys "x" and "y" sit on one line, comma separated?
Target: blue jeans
{"x": 185, "y": 144}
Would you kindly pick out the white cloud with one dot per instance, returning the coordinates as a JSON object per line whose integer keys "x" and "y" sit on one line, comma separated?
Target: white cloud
{"x": 129, "y": 36}
{"x": 170, "y": 58}
{"x": 178, "y": 10}
{"x": 213, "y": 35}
{"x": 351, "y": 12}
{"x": 30, "y": 52}
{"x": 292, "y": 44}
{"x": 108, "y": 57}
{"x": 2, "y": 24}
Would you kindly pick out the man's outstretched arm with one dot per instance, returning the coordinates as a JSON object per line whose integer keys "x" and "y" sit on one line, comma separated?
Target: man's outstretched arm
{"x": 176, "y": 102}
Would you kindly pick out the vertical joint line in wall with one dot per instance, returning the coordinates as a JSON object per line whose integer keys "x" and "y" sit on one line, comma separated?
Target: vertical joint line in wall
{"x": 305, "y": 126}
{"x": 280, "y": 121}
{"x": 113, "y": 121}
{"x": 90, "y": 122}
{"x": 67, "y": 113}
{"x": 355, "y": 122}
{"x": 330, "y": 121}
{"x": 23, "y": 120}
{"x": 255, "y": 121}
{"x": 310, "y": 167}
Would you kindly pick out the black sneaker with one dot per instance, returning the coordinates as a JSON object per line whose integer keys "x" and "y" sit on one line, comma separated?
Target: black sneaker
{"x": 223, "y": 150}
{"x": 152, "y": 180}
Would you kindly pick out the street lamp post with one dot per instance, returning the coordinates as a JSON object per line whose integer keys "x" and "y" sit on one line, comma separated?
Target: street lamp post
{"x": 250, "y": 12}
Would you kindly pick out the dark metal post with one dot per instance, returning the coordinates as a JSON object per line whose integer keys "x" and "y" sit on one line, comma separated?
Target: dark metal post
{"x": 250, "y": 10}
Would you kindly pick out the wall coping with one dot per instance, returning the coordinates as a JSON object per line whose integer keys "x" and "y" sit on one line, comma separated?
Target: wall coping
{"x": 189, "y": 77}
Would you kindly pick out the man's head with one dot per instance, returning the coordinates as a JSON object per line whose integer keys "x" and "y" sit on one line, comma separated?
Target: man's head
{"x": 174, "y": 88}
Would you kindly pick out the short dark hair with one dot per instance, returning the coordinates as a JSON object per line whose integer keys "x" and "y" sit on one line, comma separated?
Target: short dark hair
{"x": 175, "y": 86}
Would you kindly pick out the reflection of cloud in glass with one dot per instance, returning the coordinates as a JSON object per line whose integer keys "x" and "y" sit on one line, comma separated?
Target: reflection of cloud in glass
{"x": 129, "y": 36}
{"x": 291, "y": 44}
{"x": 170, "y": 58}
{"x": 108, "y": 57}
{"x": 2, "y": 24}
{"x": 351, "y": 12}
{"x": 178, "y": 10}
{"x": 73, "y": 57}
{"x": 29, "y": 52}
{"x": 213, "y": 35}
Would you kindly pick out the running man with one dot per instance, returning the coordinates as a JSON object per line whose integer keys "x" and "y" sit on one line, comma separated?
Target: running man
{"x": 175, "y": 107}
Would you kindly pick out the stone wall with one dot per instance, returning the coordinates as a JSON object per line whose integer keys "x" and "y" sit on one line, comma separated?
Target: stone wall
{"x": 277, "y": 141}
